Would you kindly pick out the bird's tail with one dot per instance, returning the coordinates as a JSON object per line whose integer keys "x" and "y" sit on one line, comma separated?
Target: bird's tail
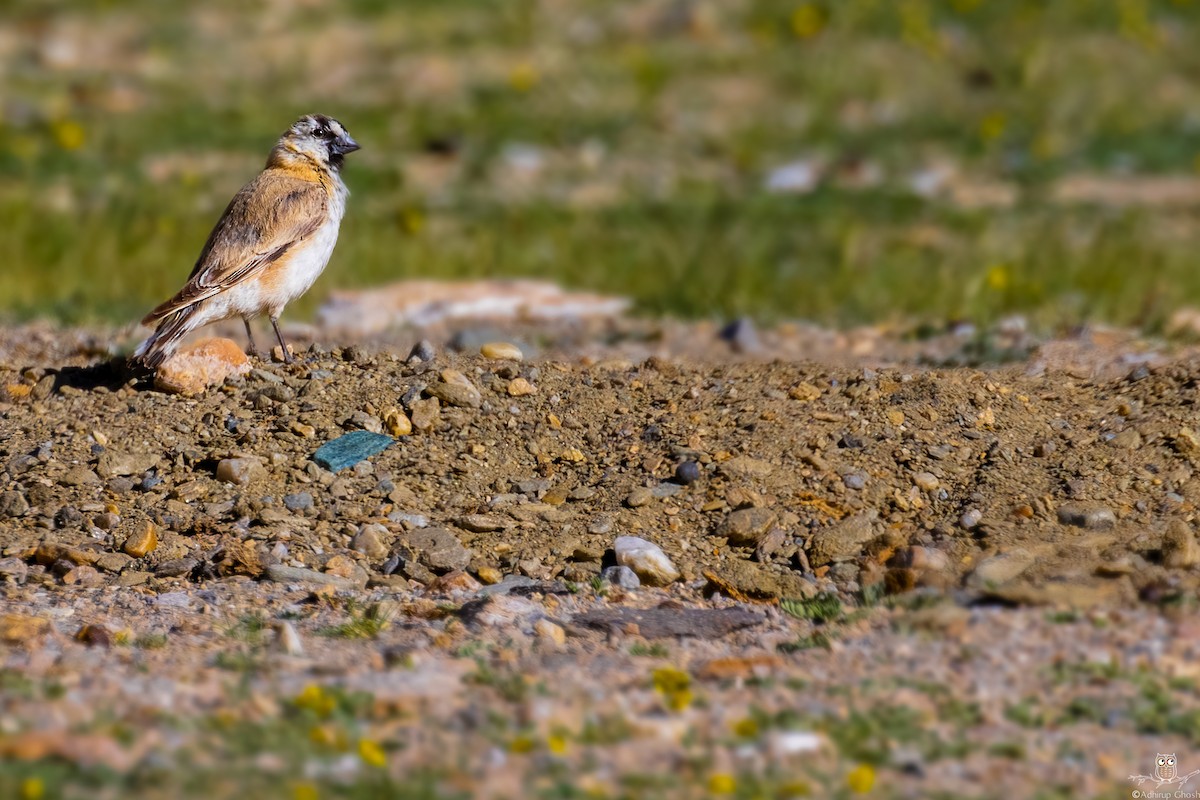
{"x": 165, "y": 340}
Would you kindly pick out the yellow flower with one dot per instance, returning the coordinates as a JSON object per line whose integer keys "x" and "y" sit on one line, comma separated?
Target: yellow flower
{"x": 328, "y": 735}
{"x": 305, "y": 791}
{"x": 747, "y": 728}
{"x": 68, "y": 134}
{"x": 523, "y": 77}
{"x": 998, "y": 277}
{"x": 722, "y": 783}
{"x": 32, "y": 789}
{"x": 992, "y": 126}
{"x": 795, "y": 789}
{"x": 808, "y": 20}
{"x": 315, "y": 699}
{"x": 371, "y": 753}
{"x": 675, "y": 687}
{"x": 557, "y": 744}
{"x": 522, "y": 744}
{"x": 861, "y": 779}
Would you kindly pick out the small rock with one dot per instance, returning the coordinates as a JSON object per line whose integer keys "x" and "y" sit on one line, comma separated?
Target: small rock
{"x": 482, "y": 523}
{"x": 94, "y": 636}
{"x": 300, "y": 501}
{"x": 14, "y": 504}
{"x": 84, "y": 575}
{"x": 970, "y": 519}
{"x": 14, "y": 570}
{"x": 196, "y": 367}
{"x": 622, "y": 577}
{"x": 1090, "y": 516}
{"x": 746, "y": 527}
{"x": 397, "y": 423}
{"x": 489, "y": 575}
{"x": 142, "y": 539}
{"x": 854, "y": 480}
{"x": 926, "y": 481}
{"x": 422, "y": 351}
{"x": 113, "y": 562}
{"x": 519, "y": 387}
{"x": 240, "y": 471}
{"x": 342, "y": 567}
{"x": 1128, "y": 439}
{"x": 346, "y": 451}
{"x": 426, "y": 414}
{"x": 79, "y": 475}
{"x": 550, "y": 633}
{"x": 1179, "y": 547}
{"x": 176, "y": 568}
{"x": 646, "y": 559}
{"x": 843, "y": 540}
{"x": 639, "y": 497}
{"x": 370, "y": 541}
{"x": 804, "y": 392}
{"x": 1001, "y": 568}
{"x": 742, "y": 336}
{"x": 438, "y": 549}
{"x": 687, "y": 473}
{"x": 455, "y": 389}
{"x": 284, "y": 574}
{"x": 289, "y": 639}
{"x": 454, "y": 581}
{"x": 501, "y": 351}
{"x": 746, "y": 468}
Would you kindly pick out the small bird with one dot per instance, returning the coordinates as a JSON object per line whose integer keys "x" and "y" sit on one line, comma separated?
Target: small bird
{"x": 270, "y": 245}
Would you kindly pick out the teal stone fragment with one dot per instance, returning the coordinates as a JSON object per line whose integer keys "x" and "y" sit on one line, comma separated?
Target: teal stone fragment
{"x": 346, "y": 451}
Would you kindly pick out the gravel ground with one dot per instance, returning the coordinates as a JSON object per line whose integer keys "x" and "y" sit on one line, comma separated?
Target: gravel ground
{"x": 881, "y": 571}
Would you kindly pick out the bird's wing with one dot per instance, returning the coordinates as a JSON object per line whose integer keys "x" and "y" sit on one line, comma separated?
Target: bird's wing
{"x": 268, "y": 217}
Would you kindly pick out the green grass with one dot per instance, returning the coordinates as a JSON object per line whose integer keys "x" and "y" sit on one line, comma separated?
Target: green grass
{"x": 119, "y": 148}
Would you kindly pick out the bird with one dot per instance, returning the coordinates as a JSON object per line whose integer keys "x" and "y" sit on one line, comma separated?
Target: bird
{"x": 270, "y": 245}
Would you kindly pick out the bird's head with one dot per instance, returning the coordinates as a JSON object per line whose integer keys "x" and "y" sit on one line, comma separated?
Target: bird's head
{"x": 319, "y": 137}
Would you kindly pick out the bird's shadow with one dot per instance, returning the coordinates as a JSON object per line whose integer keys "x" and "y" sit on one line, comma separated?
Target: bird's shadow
{"x": 111, "y": 374}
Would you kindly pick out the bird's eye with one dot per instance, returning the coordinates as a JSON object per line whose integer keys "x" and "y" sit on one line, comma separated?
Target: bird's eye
{"x": 321, "y": 132}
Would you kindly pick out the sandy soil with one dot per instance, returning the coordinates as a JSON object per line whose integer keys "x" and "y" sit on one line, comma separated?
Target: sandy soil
{"x": 895, "y": 574}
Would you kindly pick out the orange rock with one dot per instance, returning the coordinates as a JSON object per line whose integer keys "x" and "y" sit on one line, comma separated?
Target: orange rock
{"x": 21, "y": 629}
{"x": 205, "y": 363}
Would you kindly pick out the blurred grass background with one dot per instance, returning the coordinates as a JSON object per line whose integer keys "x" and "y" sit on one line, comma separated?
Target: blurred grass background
{"x": 841, "y": 161}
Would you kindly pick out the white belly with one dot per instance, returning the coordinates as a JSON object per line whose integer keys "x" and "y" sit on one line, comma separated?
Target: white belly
{"x": 304, "y": 263}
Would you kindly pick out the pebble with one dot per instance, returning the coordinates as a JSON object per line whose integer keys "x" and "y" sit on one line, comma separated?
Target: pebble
{"x": 482, "y": 523}
{"x": 1086, "y": 515}
{"x": 550, "y": 633}
{"x": 300, "y": 501}
{"x": 646, "y": 559}
{"x": 438, "y": 549}
{"x": 426, "y": 414}
{"x": 489, "y": 575}
{"x": 843, "y": 540}
{"x": 14, "y": 504}
{"x": 142, "y": 539}
{"x": 747, "y": 527}
{"x": 289, "y": 639}
{"x": 1179, "y": 547}
{"x": 639, "y": 497}
{"x": 346, "y": 451}
{"x": 422, "y": 351}
{"x": 687, "y": 473}
{"x": 397, "y": 423}
{"x": 746, "y": 468}
{"x": 14, "y": 569}
{"x": 622, "y": 577}
{"x": 196, "y": 367}
{"x": 84, "y": 575}
{"x": 281, "y": 573}
{"x": 176, "y": 567}
{"x": 240, "y": 471}
{"x": 370, "y": 541}
{"x": 926, "y": 481}
{"x": 519, "y": 387}
{"x": 79, "y": 475}
{"x": 501, "y": 351}
{"x": 455, "y": 390}
{"x": 854, "y": 480}
{"x": 970, "y": 519}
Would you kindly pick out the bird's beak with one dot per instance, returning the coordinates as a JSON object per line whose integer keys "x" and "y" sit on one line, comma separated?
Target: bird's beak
{"x": 344, "y": 144}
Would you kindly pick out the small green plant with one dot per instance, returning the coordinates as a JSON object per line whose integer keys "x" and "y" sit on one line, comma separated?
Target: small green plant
{"x": 655, "y": 650}
{"x": 823, "y": 608}
{"x": 151, "y": 641}
{"x": 361, "y": 625}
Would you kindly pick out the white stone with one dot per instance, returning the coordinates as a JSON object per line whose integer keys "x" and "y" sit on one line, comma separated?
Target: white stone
{"x": 646, "y": 559}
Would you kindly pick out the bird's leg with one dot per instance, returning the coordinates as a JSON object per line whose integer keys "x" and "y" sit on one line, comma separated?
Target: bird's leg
{"x": 287, "y": 357}
{"x": 251, "y": 347}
